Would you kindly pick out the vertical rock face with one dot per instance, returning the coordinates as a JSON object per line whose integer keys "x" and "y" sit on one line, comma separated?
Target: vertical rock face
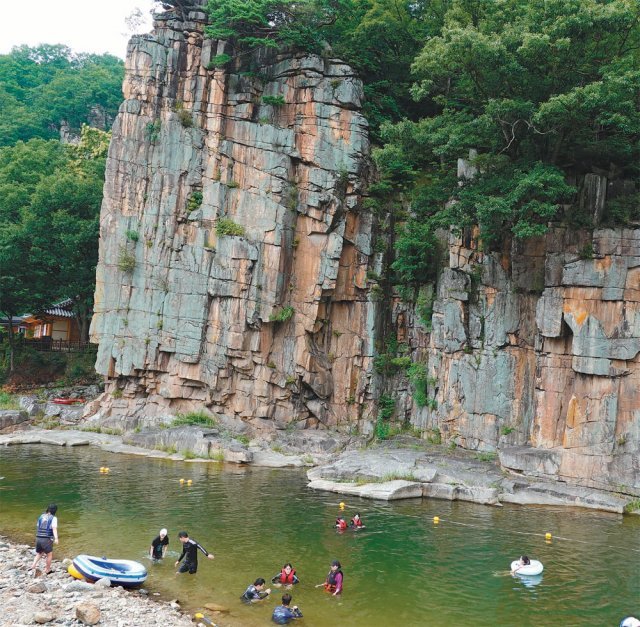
{"x": 535, "y": 353}
{"x": 233, "y": 249}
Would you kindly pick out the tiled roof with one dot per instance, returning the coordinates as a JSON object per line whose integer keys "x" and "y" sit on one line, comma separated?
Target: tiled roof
{"x": 63, "y": 309}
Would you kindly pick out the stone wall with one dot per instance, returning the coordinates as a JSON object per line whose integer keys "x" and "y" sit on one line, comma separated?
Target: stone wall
{"x": 534, "y": 354}
{"x": 273, "y": 323}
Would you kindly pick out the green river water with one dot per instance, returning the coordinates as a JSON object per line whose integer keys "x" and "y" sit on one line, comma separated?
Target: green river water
{"x": 401, "y": 570}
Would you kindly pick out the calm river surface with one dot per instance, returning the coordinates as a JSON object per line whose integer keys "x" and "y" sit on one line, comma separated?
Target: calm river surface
{"x": 402, "y": 570}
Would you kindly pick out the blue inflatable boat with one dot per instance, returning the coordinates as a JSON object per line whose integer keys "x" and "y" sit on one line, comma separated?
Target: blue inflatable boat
{"x": 120, "y": 572}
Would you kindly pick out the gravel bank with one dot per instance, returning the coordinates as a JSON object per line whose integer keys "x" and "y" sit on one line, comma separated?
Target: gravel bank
{"x": 57, "y": 599}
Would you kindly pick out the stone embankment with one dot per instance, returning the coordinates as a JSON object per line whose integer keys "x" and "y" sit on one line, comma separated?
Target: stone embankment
{"x": 398, "y": 473}
{"x": 58, "y": 599}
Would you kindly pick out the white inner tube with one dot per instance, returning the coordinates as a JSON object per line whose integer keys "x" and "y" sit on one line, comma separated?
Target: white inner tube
{"x": 534, "y": 567}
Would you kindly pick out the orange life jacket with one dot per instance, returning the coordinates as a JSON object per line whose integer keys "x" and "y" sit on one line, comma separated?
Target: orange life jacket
{"x": 330, "y": 583}
{"x": 284, "y": 578}
{"x": 341, "y": 524}
{"x": 356, "y": 523}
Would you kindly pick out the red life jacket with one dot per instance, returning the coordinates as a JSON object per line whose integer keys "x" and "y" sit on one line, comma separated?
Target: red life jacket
{"x": 341, "y": 524}
{"x": 356, "y": 523}
{"x": 284, "y": 578}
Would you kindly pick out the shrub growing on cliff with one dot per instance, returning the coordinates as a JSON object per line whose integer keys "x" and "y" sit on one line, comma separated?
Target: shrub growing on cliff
{"x": 282, "y": 315}
{"x": 274, "y": 101}
{"x": 126, "y": 260}
{"x": 224, "y": 226}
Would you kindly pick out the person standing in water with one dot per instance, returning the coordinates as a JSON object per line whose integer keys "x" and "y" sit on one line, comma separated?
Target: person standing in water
{"x": 356, "y": 522}
{"x": 46, "y": 536}
{"x": 159, "y": 545}
{"x": 190, "y": 550}
{"x": 335, "y": 577}
{"x": 283, "y": 614}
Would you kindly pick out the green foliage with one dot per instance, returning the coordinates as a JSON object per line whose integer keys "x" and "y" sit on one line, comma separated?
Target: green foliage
{"x": 42, "y": 86}
{"x": 185, "y": 117}
{"x": 274, "y": 101}
{"x": 132, "y": 236}
{"x": 386, "y": 408}
{"x": 282, "y": 315}
{"x": 126, "y": 260}
{"x": 198, "y": 418}
{"x": 225, "y": 226}
{"x": 272, "y": 23}
{"x": 486, "y": 456}
{"x": 152, "y": 131}
{"x": 195, "y": 201}
{"x": 220, "y": 60}
{"x": 8, "y": 401}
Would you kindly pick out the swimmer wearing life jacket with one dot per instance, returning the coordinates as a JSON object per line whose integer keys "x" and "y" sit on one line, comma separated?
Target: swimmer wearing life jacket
{"x": 335, "y": 577}
{"x": 286, "y": 577}
{"x": 356, "y": 522}
{"x": 341, "y": 524}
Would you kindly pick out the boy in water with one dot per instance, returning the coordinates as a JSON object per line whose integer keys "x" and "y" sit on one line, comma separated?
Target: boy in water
{"x": 46, "y": 536}
{"x": 283, "y": 614}
{"x": 159, "y": 545}
{"x": 256, "y": 592}
{"x": 190, "y": 550}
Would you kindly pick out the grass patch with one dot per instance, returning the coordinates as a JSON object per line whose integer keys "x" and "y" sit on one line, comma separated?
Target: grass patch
{"x": 486, "y": 456}
{"x": 171, "y": 449}
{"x": 243, "y": 439}
{"x": 507, "y": 430}
{"x": 217, "y": 455}
{"x": 188, "y": 454}
{"x": 194, "y": 418}
{"x": 8, "y": 401}
{"x": 632, "y": 506}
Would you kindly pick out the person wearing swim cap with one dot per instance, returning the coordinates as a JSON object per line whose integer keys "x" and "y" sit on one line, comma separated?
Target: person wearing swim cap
{"x": 630, "y": 621}
{"x": 159, "y": 545}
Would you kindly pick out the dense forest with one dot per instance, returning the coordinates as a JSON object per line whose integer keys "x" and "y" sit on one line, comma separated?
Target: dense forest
{"x": 50, "y": 192}
{"x": 542, "y": 92}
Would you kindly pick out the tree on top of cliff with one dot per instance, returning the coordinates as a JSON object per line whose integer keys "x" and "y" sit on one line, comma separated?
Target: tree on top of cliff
{"x": 273, "y": 23}
{"x": 545, "y": 91}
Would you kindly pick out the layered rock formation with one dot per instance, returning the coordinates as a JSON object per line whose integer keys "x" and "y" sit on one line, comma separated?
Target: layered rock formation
{"x": 233, "y": 250}
{"x": 534, "y": 354}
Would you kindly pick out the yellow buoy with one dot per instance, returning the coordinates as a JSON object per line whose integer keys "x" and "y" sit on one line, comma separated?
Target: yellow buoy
{"x": 101, "y": 468}
{"x": 436, "y": 520}
{"x": 106, "y": 469}
{"x": 547, "y": 536}
{"x": 181, "y": 480}
{"x": 341, "y": 505}
{"x": 189, "y": 481}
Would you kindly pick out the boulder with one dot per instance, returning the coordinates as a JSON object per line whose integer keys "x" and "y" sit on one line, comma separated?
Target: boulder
{"x": 43, "y": 617}
{"x": 88, "y": 613}
{"x": 37, "y": 588}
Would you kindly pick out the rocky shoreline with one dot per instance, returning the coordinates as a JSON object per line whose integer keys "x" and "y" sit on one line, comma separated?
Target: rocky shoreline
{"x": 58, "y": 599}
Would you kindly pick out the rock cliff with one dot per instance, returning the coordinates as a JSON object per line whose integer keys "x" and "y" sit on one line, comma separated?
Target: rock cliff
{"x": 533, "y": 354}
{"x": 233, "y": 248}
{"x": 233, "y": 278}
